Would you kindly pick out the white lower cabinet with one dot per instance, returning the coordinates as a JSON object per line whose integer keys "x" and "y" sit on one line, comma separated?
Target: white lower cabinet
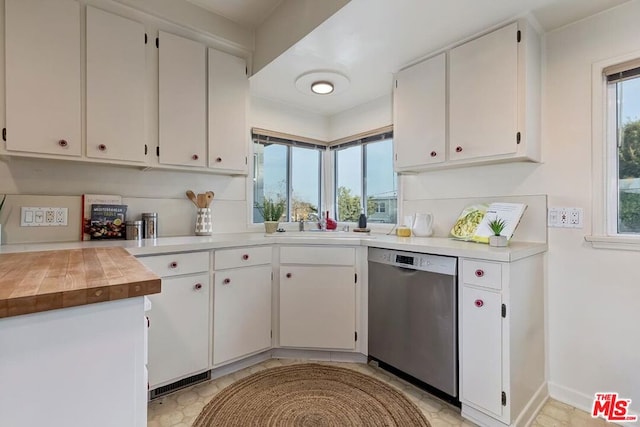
{"x": 318, "y": 302}
{"x": 242, "y": 312}
{"x": 501, "y": 340}
{"x": 241, "y": 303}
{"x": 179, "y": 329}
{"x": 481, "y": 373}
{"x": 179, "y": 320}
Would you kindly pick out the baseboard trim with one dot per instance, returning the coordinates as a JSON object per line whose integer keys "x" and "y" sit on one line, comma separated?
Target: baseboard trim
{"x": 580, "y": 400}
{"x": 571, "y": 397}
{"x": 533, "y": 407}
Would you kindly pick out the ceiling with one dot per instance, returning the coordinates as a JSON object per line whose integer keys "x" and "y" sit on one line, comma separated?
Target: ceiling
{"x": 369, "y": 40}
{"x": 248, "y": 13}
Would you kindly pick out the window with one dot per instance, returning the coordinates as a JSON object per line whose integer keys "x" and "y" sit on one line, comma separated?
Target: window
{"x": 287, "y": 170}
{"x": 623, "y": 190}
{"x": 364, "y": 172}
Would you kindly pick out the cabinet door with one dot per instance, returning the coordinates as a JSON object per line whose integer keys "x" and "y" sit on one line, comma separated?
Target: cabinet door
{"x": 317, "y": 307}
{"x": 419, "y": 114}
{"x": 228, "y": 92}
{"x": 179, "y": 329}
{"x": 483, "y": 95}
{"x": 481, "y": 350}
{"x": 182, "y": 101}
{"x": 115, "y": 87}
{"x": 43, "y": 76}
{"x": 242, "y": 312}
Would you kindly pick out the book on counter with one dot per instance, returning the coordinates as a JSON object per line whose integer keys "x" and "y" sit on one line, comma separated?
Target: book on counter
{"x": 473, "y": 222}
{"x": 94, "y": 199}
{"x": 107, "y": 222}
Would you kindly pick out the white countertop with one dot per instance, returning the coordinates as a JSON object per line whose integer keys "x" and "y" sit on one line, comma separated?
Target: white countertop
{"x": 432, "y": 245}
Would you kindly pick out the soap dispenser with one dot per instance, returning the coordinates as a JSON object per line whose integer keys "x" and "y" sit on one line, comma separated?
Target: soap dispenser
{"x": 362, "y": 221}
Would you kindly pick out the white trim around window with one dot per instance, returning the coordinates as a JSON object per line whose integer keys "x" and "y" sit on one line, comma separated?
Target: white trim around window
{"x": 603, "y": 162}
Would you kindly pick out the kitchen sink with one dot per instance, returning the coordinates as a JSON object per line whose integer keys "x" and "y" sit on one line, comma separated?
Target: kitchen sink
{"x": 322, "y": 234}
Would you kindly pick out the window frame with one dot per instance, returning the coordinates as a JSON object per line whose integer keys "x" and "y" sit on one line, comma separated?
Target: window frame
{"x": 259, "y": 138}
{"x": 604, "y": 233}
{"x": 371, "y": 138}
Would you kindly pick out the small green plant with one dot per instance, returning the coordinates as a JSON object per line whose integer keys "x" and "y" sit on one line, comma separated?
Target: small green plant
{"x": 497, "y": 225}
{"x": 271, "y": 210}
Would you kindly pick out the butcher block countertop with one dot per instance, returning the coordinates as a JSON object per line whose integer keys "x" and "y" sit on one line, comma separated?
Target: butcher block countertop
{"x": 31, "y": 282}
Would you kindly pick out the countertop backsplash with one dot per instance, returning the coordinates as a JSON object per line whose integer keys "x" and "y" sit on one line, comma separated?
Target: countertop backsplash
{"x": 176, "y": 217}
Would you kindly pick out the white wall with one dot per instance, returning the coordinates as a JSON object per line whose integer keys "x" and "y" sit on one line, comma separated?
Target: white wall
{"x": 592, "y": 294}
{"x": 276, "y": 116}
{"x": 371, "y": 115}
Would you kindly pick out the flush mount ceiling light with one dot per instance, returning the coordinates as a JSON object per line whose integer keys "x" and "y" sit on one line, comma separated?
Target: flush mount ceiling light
{"x": 322, "y": 82}
{"x": 322, "y": 87}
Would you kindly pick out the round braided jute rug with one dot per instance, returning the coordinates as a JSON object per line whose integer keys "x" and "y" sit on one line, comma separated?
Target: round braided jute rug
{"x": 310, "y": 395}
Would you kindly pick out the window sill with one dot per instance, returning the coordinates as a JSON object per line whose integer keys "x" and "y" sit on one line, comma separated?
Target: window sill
{"x": 631, "y": 243}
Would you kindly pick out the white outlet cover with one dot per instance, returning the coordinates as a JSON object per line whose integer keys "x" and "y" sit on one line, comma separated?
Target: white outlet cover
{"x": 43, "y": 217}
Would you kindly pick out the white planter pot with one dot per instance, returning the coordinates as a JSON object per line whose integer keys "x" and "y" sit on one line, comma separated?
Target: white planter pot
{"x": 270, "y": 226}
{"x": 498, "y": 241}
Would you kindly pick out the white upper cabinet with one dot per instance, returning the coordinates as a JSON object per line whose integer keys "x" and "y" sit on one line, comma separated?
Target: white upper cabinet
{"x": 42, "y": 42}
{"x": 483, "y": 95}
{"x": 182, "y": 101}
{"x": 116, "y": 83}
{"x": 228, "y": 94}
{"x": 492, "y": 107}
{"x": 419, "y": 114}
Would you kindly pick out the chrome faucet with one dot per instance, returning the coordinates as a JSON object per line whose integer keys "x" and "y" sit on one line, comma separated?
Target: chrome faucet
{"x": 311, "y": 218}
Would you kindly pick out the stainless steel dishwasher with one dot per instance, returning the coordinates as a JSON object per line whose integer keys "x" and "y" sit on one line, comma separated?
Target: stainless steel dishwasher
{"x": 413, "y": 316}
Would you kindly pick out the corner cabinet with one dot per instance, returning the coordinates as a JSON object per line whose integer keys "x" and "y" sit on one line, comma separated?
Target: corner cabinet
{"x": 419, "y": 114}
{"x": 318, "y": 297}
{"x": 241, "y": 303}
{"x": 228, "y": 100}
{"x": 43, "y": 100}
{"x": 179, "y": 320}
{"x": 501, "y": 340}
{"x": 493, "y": 103}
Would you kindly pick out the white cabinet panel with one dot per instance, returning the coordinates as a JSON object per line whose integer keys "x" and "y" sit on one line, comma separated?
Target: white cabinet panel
{"x": 483, "y": 95}
{"x": 177, "y": 264}
{"x": 419, "y": 114}
{"x": 242, "y": 312}
{"x": 481, "y": 349}
{"x": 42, "y": 43}
{"x": 317, "y": 307}
{"x": 179, "y": 329}
{"x": 242, "y": 257}
{"x": 116, "y": 82}
{"x": 228, "y": 95}
{"x": 182, "y": 101}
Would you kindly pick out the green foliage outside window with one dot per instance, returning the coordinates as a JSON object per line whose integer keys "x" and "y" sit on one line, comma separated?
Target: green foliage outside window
{"x": 629, "y": 168}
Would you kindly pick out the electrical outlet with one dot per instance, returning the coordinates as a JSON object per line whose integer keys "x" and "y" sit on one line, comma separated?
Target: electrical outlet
{"x": 565, "y": 217}
{"x": 43, "y": 217}
{"x": 575, "y": 217}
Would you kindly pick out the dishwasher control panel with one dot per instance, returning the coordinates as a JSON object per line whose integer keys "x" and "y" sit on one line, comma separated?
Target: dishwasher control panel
{"x": 416, "y": 261}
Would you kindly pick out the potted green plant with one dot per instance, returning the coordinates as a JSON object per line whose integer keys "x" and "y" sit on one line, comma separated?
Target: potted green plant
{"x": 272, "y": 212}
{"x": 497, "y": 225}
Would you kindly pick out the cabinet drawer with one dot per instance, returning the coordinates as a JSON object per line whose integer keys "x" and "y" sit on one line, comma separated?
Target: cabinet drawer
{"x": 241, "y": 257}
{"x": 317, "y": 255}
{"x": 177, "y": 264}
{"x": 482, "y": 273}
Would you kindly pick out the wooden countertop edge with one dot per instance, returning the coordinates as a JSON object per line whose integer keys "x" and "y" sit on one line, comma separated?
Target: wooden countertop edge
{"x": 15, "y": 306}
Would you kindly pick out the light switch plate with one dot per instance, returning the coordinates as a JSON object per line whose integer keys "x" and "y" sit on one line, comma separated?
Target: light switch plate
{"x": 43, "y": 217}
